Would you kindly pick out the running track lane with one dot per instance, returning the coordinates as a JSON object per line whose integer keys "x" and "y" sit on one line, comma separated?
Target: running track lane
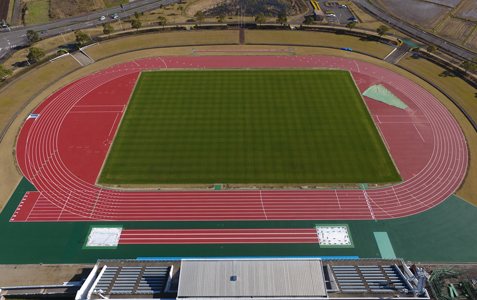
{"x": 65, "y": 175}
{"x": 219, "y": 236}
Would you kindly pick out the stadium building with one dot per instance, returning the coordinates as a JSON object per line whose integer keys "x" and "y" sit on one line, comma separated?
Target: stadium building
{"x": 258, "y": 278}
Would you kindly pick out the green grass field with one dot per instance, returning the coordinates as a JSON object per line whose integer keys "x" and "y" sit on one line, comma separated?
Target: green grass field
{"x": 247, "y": 126}
{"x": 38, "y": 12}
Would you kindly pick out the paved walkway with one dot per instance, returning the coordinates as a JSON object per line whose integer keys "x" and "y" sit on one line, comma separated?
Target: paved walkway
{"x": 16, "y": 12}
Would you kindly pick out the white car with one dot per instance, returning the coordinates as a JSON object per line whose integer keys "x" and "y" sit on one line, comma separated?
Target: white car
{"x": 343, "y": 6}
{"x": 102, "y": 18}
{"x": 115, "y": 16}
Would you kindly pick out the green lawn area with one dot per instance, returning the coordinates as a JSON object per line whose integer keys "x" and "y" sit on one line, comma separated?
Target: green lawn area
{"x": 38, "y": 12}
{"x": 247, "y": 126}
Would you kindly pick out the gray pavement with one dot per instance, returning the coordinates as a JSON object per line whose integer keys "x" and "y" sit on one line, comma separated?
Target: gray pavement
{"x": 82, "y": 58}
{"x": 395, "y": 56}
{"x": 16, "y": 11}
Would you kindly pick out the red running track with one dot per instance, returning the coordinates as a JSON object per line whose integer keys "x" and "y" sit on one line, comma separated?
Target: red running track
{"x": 61, "y": 153}
{"x": 219, "y": 236}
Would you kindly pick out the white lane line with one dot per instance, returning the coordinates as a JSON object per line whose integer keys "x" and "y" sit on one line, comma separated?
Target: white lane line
{"x": 112, "y": 126}
{"x": 419, "y": 133}
{"x": 336, "y": 193}
{"x": 261, "y": 200}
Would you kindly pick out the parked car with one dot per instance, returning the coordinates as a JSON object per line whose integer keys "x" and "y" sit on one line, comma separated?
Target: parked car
{"x": 343, "y": 6}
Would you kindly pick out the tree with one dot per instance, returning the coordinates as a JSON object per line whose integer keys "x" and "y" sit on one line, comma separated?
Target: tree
{"x": 136, "y": 24}
{"x": 260, "y": 19}
{"x": 382, "y": 30}
{"x": 282, "y": 18}
{"x": 172, "y": 5}
{"x": 162, "y": 21}
{"x": 468, "y": 65}
{"x": 4, "y": 72}
{"x": 108, "y": 29}
{"x": 32, "y": 36}
{"x": 181, "y": 8}
{"x": 431, "y": 48}
{"x": 220, "y": 18}
{"x": 308, "y": 21}
{"x": 35, "y": 54}
{"x": 351, "y": 25}
{"x": 81, "y": 37}
{"x": 162, "y": 7}
{"x": 137, "y": 15}
{"x": 270, "y": 16}
{"x": 199, "y": 17}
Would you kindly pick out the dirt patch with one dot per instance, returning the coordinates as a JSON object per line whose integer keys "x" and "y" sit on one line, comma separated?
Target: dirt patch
{"x": 250, "y": 7}
{"x": 4, "y": 4}
{"x": 424, "y": 14}
{"x": 467, "y": 10}
{"x": 67, "y": 8}
{"x": 110, "y": 3}
{"x": 318, "y": 39}
{"x": 203, "y": 6}
{"x": 30, "y": 275}
{"x": 456, "y": 30}
{"x": 472, "y": 42}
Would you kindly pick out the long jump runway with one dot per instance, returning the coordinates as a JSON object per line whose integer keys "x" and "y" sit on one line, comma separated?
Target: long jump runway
{"x": 62, "y": 150}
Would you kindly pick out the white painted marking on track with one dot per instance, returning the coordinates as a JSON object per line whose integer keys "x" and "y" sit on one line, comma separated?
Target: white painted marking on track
{"x": 356, "y": 65}
{"x": 419, "y": 133}
{"x": 112, "y": 126}
{"x": 263, "y": 207}
{"x": 63, "y": 209}
{"x": 337, "y": 198}
{"x": 369, "y": 204}
{"x": 396, "y": 196}
{"x": 384, "y": 138}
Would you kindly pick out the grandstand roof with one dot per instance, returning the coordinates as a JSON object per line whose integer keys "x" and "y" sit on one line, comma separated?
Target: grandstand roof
{"x": 264, "y": 278}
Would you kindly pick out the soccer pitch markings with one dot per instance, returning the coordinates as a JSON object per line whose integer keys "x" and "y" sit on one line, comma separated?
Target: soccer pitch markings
{"x": 61, "y": 153}
{"x": 247, "y": 126}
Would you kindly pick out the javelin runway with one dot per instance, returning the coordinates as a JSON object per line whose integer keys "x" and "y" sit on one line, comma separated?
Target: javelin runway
{"x": 61, "y": 152}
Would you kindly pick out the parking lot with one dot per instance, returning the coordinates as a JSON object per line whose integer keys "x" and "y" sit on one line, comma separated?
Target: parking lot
{"x": 341, "y": 14}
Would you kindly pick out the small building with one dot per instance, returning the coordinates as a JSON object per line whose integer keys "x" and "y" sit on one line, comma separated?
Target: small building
{"x": 318, "y": 15}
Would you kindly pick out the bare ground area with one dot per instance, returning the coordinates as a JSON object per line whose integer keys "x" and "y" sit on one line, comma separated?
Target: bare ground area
{"x": 250, "y": 7}
{"x": 67, "y": 8}
{"x": 4, "y": 4}
{"x": 165, "y": 38}
{"x": 456, "y": 30}
{"x": 424, "y": 14}
{"x": 467, "y": 10}
{"x": 472, "y": 42}
{"x": 318, "y": 38}
{"x": 30, "y": 275}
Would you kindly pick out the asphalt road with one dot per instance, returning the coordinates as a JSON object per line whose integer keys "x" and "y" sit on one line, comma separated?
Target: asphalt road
{"x": 17, "y": 37}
